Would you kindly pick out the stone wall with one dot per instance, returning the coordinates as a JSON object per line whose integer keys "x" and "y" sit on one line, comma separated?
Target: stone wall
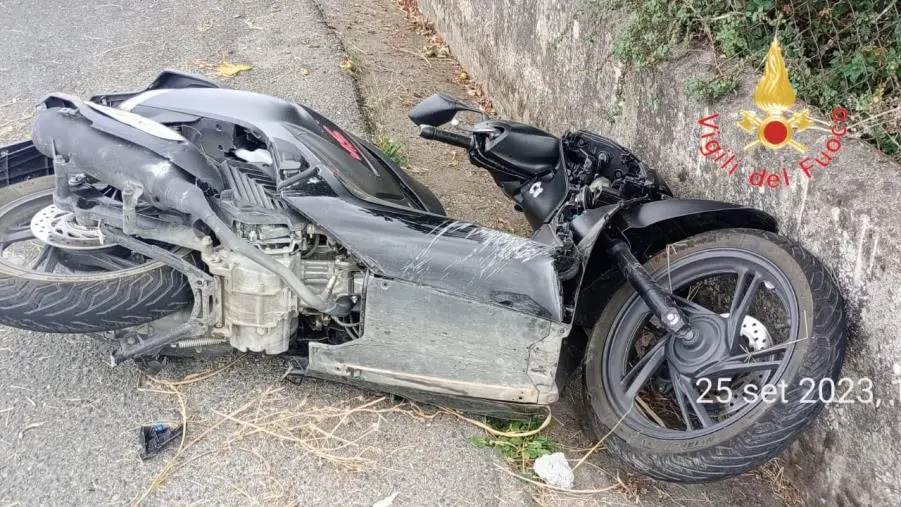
{"x": 550, "y": 62}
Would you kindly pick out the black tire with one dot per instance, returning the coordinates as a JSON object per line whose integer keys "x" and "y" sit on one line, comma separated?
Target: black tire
{"x": 88, "y": 302}
{"x": 765, "y": 429}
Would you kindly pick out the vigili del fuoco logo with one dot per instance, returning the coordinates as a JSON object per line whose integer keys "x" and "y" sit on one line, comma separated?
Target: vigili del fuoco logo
{"x": 773, "y": 127}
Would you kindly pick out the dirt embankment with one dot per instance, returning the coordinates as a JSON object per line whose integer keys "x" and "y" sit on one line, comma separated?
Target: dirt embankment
{"x": 397, "y": 60}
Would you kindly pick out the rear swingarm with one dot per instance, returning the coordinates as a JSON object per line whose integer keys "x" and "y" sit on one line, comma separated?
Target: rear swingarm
{"x": 207, "y": 304}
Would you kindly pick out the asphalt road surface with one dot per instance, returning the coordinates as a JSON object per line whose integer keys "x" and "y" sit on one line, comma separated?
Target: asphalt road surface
{"x": 68, "y": 421}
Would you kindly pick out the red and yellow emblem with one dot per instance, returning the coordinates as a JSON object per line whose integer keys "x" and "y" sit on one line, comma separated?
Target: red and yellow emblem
{"x": 774, "y": 95}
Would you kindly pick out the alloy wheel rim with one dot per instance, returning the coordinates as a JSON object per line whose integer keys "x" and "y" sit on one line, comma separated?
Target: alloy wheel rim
{"x": 23, "y": 225}
{"x": 638, "y": 377}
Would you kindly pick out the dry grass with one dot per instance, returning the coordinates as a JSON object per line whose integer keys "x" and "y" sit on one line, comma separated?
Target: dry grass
{"x": 773, "y": 474}
{"x": 336, "y": 433}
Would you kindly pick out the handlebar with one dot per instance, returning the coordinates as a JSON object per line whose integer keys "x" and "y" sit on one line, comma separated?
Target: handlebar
{"x": 430, "y": 132}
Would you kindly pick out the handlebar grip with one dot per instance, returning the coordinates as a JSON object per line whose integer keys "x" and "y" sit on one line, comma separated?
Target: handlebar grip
{"x": 430, "y": 132}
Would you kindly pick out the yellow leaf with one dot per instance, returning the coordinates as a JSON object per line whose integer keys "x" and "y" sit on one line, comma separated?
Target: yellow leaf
{"x": 347, "y": 65}
{"x": 227, "y": 69}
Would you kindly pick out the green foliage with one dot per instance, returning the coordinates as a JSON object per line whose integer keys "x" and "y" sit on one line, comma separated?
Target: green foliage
{"x": 649, "y": 38}
{"x": 839, "y": 52}
{"x": 392, "y": 149}
{"x": 520, "y": 451}
{"x": 612, "y": 112}
{"x": 709, "y": 87}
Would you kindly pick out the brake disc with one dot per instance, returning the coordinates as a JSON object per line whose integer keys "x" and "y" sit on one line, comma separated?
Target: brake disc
{"x": 58, "y": 228}
{"x": 758, "y": 338}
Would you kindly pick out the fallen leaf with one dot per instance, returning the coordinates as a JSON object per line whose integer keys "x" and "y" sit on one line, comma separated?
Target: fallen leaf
{"x": 464, "y": 76}
{"x": 227, "y": 69}
{"x": 347, "y": 65}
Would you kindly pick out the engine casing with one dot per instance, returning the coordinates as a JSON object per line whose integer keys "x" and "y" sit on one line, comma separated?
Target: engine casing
{"x": 259, "y": 312}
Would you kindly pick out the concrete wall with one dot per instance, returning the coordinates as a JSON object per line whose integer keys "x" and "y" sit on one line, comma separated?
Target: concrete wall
{"x": 549, "y": 62}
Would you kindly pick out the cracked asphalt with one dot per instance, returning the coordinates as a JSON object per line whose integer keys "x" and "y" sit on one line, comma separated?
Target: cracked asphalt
{"x": 68, "y": 421}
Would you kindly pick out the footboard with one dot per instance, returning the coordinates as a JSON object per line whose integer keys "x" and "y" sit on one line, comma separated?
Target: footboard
{"x": 22, "y": 161}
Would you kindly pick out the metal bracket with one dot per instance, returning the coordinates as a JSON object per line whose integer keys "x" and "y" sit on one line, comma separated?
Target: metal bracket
{"x": 207, "y": 301}
{"x": 297, "y": 369}
{"x": 130, "y": 196}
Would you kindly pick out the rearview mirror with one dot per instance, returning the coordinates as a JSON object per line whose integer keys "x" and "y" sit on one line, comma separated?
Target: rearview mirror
{"x": 436, "y": 110}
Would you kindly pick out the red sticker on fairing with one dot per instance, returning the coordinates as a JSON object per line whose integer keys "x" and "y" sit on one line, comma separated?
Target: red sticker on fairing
{"x": 345, "y": 143}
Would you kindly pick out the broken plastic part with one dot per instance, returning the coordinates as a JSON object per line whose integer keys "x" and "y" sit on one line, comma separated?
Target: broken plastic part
{"x": 155, "y": 437}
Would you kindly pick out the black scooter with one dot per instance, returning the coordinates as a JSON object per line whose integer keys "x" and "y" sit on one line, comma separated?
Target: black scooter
{"x": 210, "y": 217}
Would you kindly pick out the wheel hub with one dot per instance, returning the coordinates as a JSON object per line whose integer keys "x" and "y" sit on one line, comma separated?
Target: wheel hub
{"x": 58, "y": 228}
{"x": 709, "y": 346}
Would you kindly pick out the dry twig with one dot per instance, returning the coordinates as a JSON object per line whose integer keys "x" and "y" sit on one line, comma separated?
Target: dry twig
{"x": 505, "y": 434}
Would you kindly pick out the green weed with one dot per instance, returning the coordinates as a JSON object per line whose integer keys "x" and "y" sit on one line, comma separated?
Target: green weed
{"x": 519, "y": 451}
{"x": 708, "y": 87}
{"x": 392, "y": 149}
{"x": 839, "y": 52}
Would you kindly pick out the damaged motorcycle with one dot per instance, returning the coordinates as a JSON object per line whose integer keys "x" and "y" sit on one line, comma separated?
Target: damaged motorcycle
{"x": 195, "y": 216}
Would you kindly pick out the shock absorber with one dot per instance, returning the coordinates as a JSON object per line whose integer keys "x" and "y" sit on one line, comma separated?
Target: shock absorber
{"x": 658, "y": 300}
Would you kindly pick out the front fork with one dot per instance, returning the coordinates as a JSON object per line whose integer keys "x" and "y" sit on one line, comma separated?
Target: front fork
{"x": 661, "y": 302}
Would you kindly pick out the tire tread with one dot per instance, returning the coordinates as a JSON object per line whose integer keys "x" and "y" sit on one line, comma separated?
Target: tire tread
{"x": 767, "y": 437}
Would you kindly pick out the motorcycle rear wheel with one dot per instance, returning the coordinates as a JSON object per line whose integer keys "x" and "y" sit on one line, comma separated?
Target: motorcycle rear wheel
{"x": 107, "y": 289}
{"x": 684, "y": 413}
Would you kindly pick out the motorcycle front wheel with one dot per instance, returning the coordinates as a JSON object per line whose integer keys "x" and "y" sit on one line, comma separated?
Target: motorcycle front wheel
{"x": 57, "y": 276}
{"x": 770, "y": 340}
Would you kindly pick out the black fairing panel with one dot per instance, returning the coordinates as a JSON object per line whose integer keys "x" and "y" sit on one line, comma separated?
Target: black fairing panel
{"x": 530, "y": 150}
{"x": 285, "y": 125}
{"x": 648, "y": 228}
{"x": 427, "y": 199}
{"x": 184, "y": 155}
{"x": 416, "y": 245}
{"x": 459, "y": 257}
{"x": 539, "y": 199}
{"x": 263, "y": 113}
{"x": 167, "y": 79}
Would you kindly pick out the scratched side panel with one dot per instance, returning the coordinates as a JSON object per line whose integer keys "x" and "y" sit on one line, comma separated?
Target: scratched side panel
{"x": 418, "y": 338}
{"x": 481, "y": 264}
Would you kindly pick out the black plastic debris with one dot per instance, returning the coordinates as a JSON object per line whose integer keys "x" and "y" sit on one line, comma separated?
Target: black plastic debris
{"x": 297, "y": 369}
{"x": 155, "y": 437}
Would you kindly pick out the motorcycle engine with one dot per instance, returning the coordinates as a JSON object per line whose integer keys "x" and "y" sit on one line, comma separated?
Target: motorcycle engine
{"x": 259, "y": 312}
